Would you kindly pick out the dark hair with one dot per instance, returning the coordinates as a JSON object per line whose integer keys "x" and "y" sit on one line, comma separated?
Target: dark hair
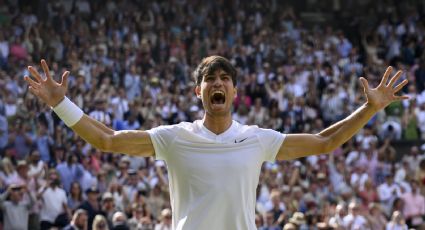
{"x": 212, "y": 63}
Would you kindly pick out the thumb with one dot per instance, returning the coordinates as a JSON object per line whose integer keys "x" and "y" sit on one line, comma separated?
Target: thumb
{"x": 64, "y": 81}
{"x": 364, "y": 83}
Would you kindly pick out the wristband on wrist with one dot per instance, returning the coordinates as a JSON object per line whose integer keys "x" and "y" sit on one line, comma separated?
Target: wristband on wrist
{"x": 68, "y": 112}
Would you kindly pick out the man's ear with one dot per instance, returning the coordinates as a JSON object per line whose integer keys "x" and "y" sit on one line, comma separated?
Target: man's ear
{"x": 235, "y": 91}
{"x": 198, "y": 91}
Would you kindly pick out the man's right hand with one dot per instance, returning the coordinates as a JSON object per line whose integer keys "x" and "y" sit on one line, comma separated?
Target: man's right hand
{"x": 48, "y": 90}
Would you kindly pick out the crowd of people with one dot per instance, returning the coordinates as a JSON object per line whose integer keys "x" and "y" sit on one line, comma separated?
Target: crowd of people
{"x": 131, "y": 64}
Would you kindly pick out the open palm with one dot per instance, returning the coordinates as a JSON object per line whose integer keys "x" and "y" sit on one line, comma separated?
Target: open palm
{"x": 48, "y": 90}
{"x": 384, "y": 93}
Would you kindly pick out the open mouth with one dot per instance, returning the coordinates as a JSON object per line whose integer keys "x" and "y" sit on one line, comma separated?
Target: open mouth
{"x": 218, "y": 98}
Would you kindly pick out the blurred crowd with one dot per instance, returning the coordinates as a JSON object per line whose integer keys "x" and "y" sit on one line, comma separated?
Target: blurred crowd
{"x": 131, "y": 65}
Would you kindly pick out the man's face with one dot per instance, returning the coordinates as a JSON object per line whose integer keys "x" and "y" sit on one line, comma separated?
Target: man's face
{"x": 81, "y": 221}
{"x": 217, "y": 93}
{"x": 16, "y": 194}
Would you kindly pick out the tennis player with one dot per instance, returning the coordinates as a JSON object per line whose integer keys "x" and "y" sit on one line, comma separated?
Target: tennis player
{"x": 213, "y": 163}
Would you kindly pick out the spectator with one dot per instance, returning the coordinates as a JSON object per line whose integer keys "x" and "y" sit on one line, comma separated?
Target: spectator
{"x": 15, "y": 209}
{"x": 43, "y": 142}
{"x": 108, "y": 207}
{"x": 376, "y": 217}
{"x": 69, "y": 171}
{"x": 37, "y": 168}
{"x": 397, "y": 222}
{"x": 119, "y": 221}
{"x": 54, "y": 210}
{"x": 388, "y": 192}
{"x": 4, "y": 135}
{"x": 91, "y": 205}
{"x": 354, "y": 219}
{"x": 298, "y": 220}
{"x": 337, "y": 221}
{"x": 165, "y": 219}
{"x": 100, "y": 223}
{"x": 414, "y": 206}
{"x": 78, "y": 222}
{"x": 75, "y": 197}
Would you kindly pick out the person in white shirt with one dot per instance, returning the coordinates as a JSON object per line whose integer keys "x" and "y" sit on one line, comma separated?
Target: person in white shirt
{"x": 214, "y": 163}
{"x": 354, "y": 220}
{"x": 54, "y": 202}
{"x": 387, "y": 193}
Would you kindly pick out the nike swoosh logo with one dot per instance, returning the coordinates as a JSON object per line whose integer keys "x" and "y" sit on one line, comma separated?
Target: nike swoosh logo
{"x": 236, "y": 141}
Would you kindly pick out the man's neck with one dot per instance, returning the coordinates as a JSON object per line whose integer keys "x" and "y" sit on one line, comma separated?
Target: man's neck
{"x": 217, "y": 124}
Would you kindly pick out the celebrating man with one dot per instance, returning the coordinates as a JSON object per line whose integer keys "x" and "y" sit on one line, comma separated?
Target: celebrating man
{"x": 214, "y": 163}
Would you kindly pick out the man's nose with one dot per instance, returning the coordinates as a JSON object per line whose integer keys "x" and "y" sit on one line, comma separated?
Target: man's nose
{"x": 218, "y": 82}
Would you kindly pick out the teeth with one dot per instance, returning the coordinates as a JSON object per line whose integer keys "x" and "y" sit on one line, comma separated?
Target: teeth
{"x": 218, "y": 92}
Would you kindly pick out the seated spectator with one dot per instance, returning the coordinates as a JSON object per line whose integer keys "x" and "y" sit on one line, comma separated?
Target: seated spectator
{"x": 397, "y": 222}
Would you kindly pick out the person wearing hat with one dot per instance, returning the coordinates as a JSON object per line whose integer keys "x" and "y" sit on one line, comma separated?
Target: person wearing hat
{"x": 165, "y": 218}
{"x": 21, "y": 177}
{"x": 298, "y": 219}
{"x": 91, "y": 204}
{"x": 205, "y": 156}
{"x": 108, "y": 206}
{"x": 15, "y": 209}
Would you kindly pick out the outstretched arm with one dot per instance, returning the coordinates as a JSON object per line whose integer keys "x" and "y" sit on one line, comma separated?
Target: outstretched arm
{"x": 134, "y": 142}
{"x": 301, "y": 145}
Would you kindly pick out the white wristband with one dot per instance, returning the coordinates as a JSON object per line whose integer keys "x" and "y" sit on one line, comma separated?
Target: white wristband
{"x": 68, "y": 112}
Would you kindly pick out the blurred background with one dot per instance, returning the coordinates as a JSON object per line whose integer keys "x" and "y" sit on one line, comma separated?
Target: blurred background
{"x": 131, "y": 64}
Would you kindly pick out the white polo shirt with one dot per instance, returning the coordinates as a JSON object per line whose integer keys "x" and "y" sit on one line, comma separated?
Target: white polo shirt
{"x": 213, "y": 178}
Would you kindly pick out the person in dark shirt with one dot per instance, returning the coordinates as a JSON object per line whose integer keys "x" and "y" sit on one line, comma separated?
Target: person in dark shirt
{"x": 91, "y": 205}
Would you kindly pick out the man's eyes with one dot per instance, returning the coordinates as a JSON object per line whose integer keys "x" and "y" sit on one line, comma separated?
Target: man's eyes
{"x": 212, "y": 78}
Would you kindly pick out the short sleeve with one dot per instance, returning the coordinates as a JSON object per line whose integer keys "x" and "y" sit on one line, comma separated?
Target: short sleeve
{"x": 271, "y": 141}
{"x": 162, "y": 137}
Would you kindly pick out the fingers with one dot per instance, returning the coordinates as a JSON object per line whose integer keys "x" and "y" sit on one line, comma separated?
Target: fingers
{"x": 395, "y": 78}
{"x": 30, "y": 81}
{"x": 64, "y": 81}
{"x": 401, "y": 85}
{"x": 386, "y": 75}
{"x": 46, "y": 69}
{"x": 399, "y": 98}
{"x": 35, "y": 74}
{"x": 33, "y": 90}
{"x": 364, "y": 83}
